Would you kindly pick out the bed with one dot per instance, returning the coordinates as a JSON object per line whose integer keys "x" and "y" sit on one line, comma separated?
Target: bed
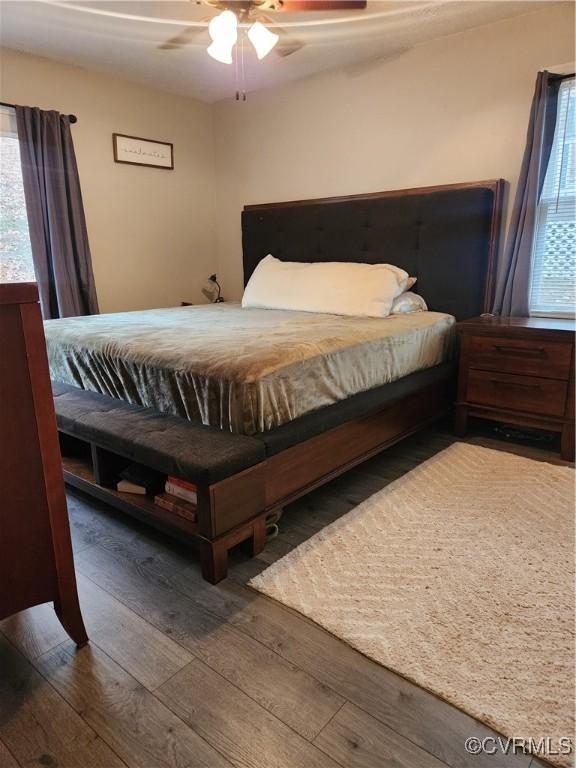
{"x": 306, "y": 395}
{"x": 242, "y": 370}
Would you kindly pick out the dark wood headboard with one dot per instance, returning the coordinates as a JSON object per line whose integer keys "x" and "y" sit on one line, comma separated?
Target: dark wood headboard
{"x": 446, "y": 236}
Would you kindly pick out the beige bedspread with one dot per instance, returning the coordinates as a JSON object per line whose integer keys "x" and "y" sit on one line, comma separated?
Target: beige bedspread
{"x": 243, "y": 370}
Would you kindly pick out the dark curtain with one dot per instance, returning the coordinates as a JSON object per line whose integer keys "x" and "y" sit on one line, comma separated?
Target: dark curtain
{"x": 56, "y": 221}
{"x": 513, "y": 281}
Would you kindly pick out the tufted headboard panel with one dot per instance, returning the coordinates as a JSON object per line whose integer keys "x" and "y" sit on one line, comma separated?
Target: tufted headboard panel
{"x": 445, "y": 236}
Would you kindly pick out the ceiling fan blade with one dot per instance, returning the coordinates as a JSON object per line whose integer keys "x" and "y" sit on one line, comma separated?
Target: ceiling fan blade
{"x": 297, "y": 6}
{"x": 288, "y": 46}
{"x": 184, "y": 38}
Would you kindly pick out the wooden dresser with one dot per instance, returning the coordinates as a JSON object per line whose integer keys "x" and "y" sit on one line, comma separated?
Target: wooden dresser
{"x": 520, "y": 371}
{"x": 36, "y": 563}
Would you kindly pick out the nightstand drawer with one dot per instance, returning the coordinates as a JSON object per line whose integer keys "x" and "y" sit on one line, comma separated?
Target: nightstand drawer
{"x": 545, "y": 397}
{"x": 548, "y": 359}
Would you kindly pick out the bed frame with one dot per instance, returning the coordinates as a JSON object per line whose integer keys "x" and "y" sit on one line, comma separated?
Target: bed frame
{"x": 447, "y": 237}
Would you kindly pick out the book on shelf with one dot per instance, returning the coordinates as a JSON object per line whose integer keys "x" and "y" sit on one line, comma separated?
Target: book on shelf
{"x": 125, "y": 486}
{"x": 182, "y": 483}
{"x": 140, "y": 480}
{"x": 176, "y": 505}
{"x": 183, "y": 489}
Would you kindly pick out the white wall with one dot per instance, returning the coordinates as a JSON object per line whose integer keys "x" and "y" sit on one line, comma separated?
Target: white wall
{"x": 455, "y": 109}
{"x": 151, "y": 231}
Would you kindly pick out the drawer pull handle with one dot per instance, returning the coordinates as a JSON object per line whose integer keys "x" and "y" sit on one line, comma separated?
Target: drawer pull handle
{"x": 520, "y": 351}
{"x": 513, "y": 384}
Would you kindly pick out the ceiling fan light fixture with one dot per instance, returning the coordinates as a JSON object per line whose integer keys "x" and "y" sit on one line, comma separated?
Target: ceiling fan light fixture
{"x": 262, "y": 39}
{"x": 223, "y": 30}
{"x": 221, "y": 52}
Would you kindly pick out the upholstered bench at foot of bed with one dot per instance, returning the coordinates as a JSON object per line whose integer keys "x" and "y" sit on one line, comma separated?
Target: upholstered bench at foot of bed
{"x": 167, "y": 443}
{"x": 226, "y": 469}
{"x": 240, "y": 479}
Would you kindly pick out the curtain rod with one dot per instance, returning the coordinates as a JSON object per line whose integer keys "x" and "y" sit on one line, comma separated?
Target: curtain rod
{"x": 72, "y": 118}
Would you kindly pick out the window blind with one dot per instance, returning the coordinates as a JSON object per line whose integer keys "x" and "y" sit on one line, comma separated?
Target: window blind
{"x": 8, "y": 122}
{"x": 553, "y": 277}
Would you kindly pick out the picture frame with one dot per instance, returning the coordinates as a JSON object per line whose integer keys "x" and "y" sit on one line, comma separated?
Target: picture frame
{"x": 135, "y": 150}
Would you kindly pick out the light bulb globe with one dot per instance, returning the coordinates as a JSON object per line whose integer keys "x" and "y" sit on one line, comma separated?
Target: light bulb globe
{"x": 262, "y": 39}
{"x": 223, "y": 29}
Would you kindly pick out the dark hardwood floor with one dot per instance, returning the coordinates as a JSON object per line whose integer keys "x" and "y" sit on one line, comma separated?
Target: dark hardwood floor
{"x": 182, "y": 674}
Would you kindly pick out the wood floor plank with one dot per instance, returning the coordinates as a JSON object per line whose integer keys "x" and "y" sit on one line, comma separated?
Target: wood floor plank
{"x": 433, "y": 724}
{"x": 275, "y": 549}
{"x": 242, "y": 568}
{"x": 144, "y": 732}
{"x": 281, "y": 687}
{"x": 150, "y": 656}
{"x": 151, "y": 597}
{"x": 38, "y": 727}
{"x": 419, "y": 716}
{"x": 238, "y": 727}
{"x": 295, "y": 532}
{"x": 357, "y": 740}
{"x": 89, "y": 521}
{"x": 6, "y": 758}
{"x": 536, "y": 763}
{"x": 34, "y": 631}
{"x": 317, "y": 510}
{"x": 95, "y": 523}
{"x": 296, "y": 698}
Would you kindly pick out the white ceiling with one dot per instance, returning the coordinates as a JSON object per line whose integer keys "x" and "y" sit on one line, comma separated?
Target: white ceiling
{"x": 121, "y": 38}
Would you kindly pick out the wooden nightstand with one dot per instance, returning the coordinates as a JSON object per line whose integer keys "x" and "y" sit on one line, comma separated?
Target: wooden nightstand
{"x": 518, "y": 370}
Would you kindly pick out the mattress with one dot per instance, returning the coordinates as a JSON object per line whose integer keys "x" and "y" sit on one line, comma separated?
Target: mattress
{"x": 242, "y": 370}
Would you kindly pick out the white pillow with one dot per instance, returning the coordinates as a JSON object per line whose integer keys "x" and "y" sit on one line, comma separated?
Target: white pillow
{"x": 408, "y": 302}
{"x": 339, "y": 288}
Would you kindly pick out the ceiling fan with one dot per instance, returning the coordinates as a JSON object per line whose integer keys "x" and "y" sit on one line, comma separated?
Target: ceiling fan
{"x": 252, "y": 16}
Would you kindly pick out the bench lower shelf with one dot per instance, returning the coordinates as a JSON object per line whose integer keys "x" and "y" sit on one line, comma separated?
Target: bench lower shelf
{"x": 79, "y": 474}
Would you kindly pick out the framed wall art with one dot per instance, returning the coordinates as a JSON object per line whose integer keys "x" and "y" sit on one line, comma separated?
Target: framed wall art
{"x": 134, "y": 150}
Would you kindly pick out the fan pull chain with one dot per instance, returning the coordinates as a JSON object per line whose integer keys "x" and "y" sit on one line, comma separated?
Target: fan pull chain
{"x": 236, "y": 73}
{"x": 243, "y": 73}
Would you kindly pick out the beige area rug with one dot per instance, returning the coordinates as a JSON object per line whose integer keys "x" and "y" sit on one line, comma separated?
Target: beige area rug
{"x": 458, "y": 576}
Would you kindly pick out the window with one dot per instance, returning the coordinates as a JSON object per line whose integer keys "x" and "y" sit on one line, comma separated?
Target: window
{"x": 15, "y": 252}
{"x": 553, "y": 282}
